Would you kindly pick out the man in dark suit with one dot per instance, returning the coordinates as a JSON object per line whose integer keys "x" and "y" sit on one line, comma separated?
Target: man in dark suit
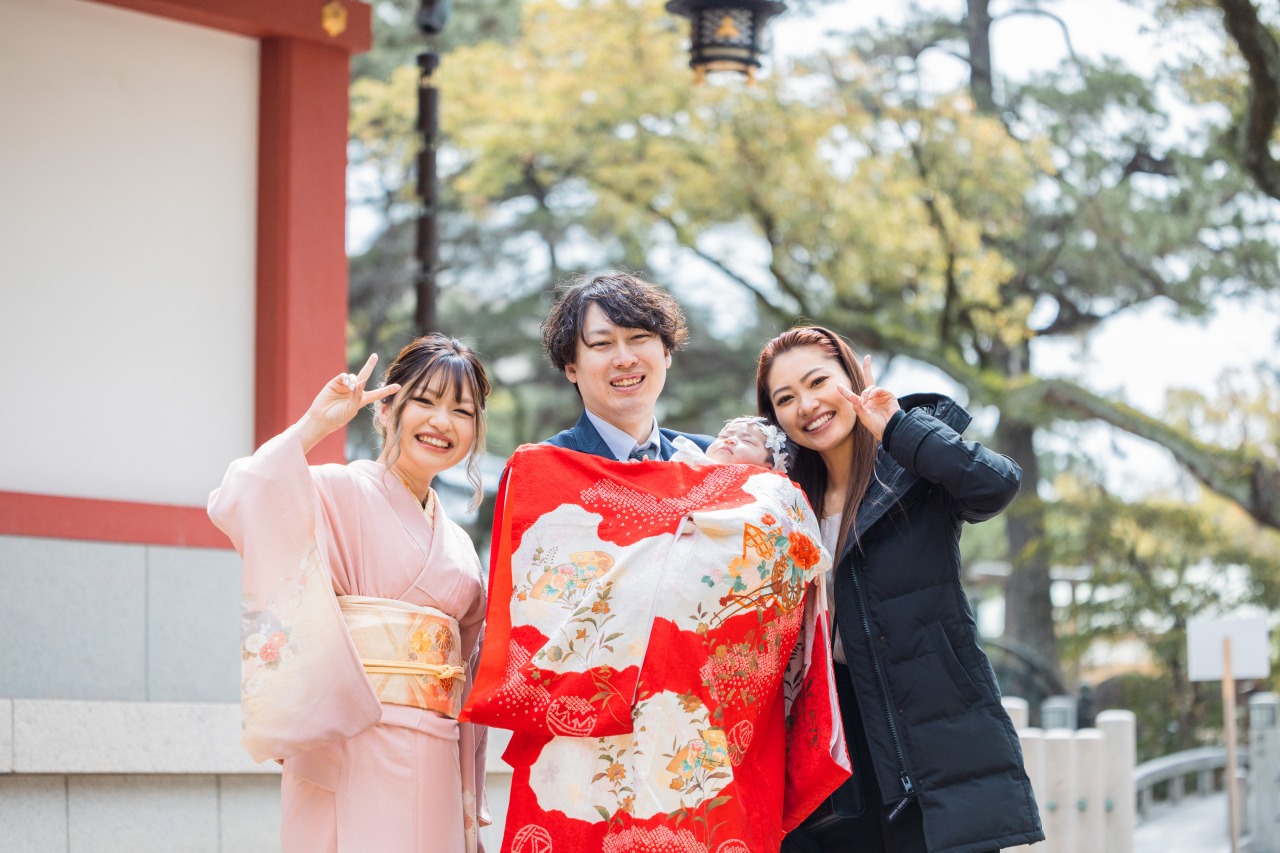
{"x": 613, "y": 335}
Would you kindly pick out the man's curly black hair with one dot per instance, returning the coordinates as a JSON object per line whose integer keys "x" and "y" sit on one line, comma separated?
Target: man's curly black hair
{"x": 627, "y": 300}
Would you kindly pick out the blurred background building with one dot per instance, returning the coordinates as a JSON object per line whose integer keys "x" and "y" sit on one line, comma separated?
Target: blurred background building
{"x": 174, "y": 290}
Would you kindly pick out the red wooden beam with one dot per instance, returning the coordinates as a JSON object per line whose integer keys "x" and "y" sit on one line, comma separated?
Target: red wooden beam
{"x": 107, "y": 521}
{"x": 296, "y": 19}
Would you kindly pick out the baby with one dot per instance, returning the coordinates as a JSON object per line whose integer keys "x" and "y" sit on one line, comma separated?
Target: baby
{"x": 742, "y": 441}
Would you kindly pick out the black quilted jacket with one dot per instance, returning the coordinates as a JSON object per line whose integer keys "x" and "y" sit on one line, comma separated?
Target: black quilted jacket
{"x": 929, "y": 701}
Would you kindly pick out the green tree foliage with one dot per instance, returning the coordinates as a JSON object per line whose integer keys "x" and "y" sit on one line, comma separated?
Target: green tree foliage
{"x": 506, "y": 239}
{"x": 957, "y": 226}
{"x": 1156, "y": 564}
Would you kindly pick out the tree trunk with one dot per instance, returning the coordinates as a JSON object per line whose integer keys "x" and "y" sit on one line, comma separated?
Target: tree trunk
{"x": 977, "y": 24}
{"x": 1027, "y": 606}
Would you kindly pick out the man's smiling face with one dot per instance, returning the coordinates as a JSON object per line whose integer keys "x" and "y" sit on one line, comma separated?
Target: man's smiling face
{"x": 619, "y": 372}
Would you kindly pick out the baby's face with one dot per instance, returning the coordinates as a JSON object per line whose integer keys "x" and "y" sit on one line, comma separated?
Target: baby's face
{"x": 740, "y": 443}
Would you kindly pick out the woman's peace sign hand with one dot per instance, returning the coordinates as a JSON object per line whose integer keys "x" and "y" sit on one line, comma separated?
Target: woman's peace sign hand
{"x": 875, "y": 405}
{"x": 339, "y": 401}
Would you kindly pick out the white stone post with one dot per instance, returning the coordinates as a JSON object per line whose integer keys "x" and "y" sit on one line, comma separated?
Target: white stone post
{"x": 1090, "y": 805}
{"x": 1032, "y": 741}
{"x": 1060, "y": 795}
{"x": 1264, "y": 773}
{"x": 1119, "y": 728}
{"x": 1058, "y": 712}
{"x": 1018, "y": 710}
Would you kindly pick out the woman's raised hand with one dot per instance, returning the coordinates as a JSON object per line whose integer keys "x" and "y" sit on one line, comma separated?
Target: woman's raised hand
{"x": 339, "y": 401}
{"x": 875, "y": 405}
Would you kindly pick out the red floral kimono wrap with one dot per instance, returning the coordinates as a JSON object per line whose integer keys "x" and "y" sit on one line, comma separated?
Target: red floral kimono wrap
{"x": 657, "y": 643}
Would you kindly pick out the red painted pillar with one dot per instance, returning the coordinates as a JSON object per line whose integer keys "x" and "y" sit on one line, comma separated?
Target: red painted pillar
{"x": 302, "y": 264}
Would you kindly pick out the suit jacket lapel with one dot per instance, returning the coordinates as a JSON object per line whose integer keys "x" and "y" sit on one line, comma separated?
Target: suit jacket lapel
{"x": 589, "y": 440}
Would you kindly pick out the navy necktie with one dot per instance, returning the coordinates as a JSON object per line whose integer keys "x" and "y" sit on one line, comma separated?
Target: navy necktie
{"x": 644, "y": 454}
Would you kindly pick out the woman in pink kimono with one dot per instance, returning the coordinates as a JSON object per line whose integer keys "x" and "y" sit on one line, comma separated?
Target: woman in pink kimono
{"x": 363, "y": 613}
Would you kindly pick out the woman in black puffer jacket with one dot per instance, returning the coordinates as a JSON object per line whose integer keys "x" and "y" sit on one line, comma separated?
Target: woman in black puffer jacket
{"x": 937, "y": 765}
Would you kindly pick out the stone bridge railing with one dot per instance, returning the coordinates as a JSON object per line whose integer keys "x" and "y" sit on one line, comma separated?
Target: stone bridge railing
{"x": 1083, "y": 781}
{"x": 1091, "y": 794}
{"x": 1204, "y": 764}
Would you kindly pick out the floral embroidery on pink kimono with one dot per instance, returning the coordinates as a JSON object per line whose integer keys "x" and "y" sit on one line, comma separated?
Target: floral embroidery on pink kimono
{"x": 657, "y": 643}
{"x": 359, "y": 774}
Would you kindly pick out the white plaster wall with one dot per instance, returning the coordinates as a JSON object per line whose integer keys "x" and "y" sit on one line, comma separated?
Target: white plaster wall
{"x": 128, "y": 175}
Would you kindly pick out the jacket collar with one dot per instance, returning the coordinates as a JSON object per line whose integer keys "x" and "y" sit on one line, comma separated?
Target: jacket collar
{"x": 939, "y": 406}
{"x": 587, "y": 439}
{"x": 890, "y": 481}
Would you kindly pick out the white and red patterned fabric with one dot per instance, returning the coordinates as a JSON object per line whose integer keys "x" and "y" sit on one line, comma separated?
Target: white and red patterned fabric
{"x": 657, "y": 643}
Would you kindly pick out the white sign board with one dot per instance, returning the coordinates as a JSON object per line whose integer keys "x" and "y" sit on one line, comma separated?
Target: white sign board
{"x": 1250, "y": 651}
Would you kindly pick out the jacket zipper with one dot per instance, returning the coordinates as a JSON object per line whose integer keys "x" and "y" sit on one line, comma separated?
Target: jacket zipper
{"x": 907, "y": 786}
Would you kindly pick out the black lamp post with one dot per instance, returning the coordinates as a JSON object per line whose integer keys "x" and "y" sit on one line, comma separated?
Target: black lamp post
{"x": 432, "y": 16}
{"x": 726, "y": 35}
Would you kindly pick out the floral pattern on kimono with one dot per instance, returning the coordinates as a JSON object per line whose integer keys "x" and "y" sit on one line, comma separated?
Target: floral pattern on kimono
{"x": 306, "y": 535}
{"x": 657, "y": 644}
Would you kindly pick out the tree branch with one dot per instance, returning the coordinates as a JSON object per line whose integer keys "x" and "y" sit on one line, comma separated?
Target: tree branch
{"x": 1146, "y": 162}
{"x": 951, "y": 291}
{"x": 1071, "y": 320}
{"x": 768, "y": 224}
{"x": 873, "y": 333}
{"x": 977, "y": 23}
{"x": 689, "y": 242}
{"x": 1244, "y": 477}
{"x": 1258, "y": 125}
{"x": 1044, "y": 13}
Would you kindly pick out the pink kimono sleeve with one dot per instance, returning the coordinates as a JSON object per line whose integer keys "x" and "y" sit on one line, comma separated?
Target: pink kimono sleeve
{"x": 302, "y": 685}
{"x": 473, "y": 738}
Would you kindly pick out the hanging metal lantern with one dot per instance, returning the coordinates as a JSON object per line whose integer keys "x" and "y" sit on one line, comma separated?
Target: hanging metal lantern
{"x": 726, "y": 35}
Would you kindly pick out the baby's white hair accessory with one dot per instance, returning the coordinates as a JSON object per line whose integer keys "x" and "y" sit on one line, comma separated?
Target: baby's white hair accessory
{"x": 774, "y": 439}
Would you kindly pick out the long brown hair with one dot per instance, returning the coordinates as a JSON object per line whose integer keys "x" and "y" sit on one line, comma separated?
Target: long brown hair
{"x": 808, "y": 469}
{"x": 420, "y": 362}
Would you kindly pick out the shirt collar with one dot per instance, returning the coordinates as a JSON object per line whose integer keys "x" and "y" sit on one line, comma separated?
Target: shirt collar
{"x": 620, "y": 443}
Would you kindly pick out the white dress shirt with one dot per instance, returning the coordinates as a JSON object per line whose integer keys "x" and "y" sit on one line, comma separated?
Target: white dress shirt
{"x": 620, "y": 443}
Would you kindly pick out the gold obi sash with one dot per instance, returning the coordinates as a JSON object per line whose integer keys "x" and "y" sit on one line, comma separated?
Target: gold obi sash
{"x": 412, "y": 655}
